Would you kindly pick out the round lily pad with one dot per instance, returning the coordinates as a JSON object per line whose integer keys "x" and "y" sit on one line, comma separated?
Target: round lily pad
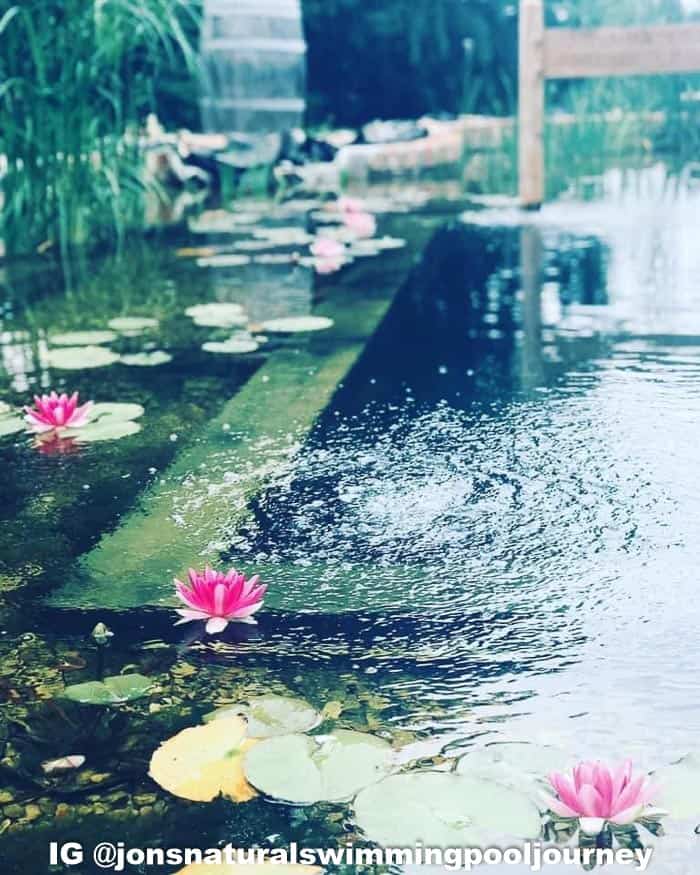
{"x": 204, "y": 762}
{"x": 221, "y": 221}
{"x": 514, "y": 764}
{"x": 375, "y": 245}
{"x": 275, "y": 258}
{"x": 253, "y": 245}
{"x": 77, "y": 358}
{"x": 270, "y": 716}
{"x": 217, "y": 315}
{"x": 284, "y": 236}
{"x": 132, "y": 325}
{"x": 302, "y": 769}
{"x": 232, "y": 346}
{"x": 10, "y": 422}
{"x": 105, "y": 430}
{"x": 147, "y": 359}
{"x": 83, "y": 338}
{"x": 111, "y": 691}
{"x": 108, "y": 421}
{"x": 226, "y": 260}
{"x": 678, "y": 788}
{"x": 441, "y": 810}
{"x": 294, "y": 324}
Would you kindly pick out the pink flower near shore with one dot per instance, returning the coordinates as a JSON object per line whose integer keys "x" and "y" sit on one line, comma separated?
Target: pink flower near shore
{"x": 361, "y": 224}
{"x": 54, "y": 412}
{"x": 219, "y": 598}
{"x": 327, "y": 247}
{"x": 595, "y": 794}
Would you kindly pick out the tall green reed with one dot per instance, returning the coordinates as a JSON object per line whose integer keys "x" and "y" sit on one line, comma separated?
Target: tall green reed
{"x": 76, "y": 79}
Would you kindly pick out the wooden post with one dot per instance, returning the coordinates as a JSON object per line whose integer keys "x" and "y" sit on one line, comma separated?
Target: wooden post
{"x": 531, "y": 262}
{"x": 531, "y": 173}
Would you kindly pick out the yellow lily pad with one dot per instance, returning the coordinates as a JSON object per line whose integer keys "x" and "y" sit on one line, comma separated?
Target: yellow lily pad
{"x": 204, "y": 762}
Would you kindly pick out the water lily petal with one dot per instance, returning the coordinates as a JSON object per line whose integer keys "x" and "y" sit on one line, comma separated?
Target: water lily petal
{"x": 592, "y": 826}
{"x": 216, "y": 625}
{"x": 629, "y": 815}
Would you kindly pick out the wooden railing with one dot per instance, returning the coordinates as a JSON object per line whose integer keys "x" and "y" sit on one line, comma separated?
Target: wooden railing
{"x": 566, "y": 53}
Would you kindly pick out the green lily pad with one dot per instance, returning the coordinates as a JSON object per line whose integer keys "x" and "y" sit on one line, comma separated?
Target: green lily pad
{"x": 132, "y": 326}
{"x": 294, "y": 324}
{"x": 217, "y": 315}
{"x": 232, "y": 346}
{"x": 275, "y": 258}
{"x": 221, "y": 221}
{"x": 147, "y": 359}
{"x": 442, "y": 810}
{"x": 77, "y": 358}
{"x": 227, "y": 260}
{"x": 83, "y": 338}
{"x": 270, "y": 716}
{"x": 253, "y": 245}
{"x": 108, "y": 421}
{"x": 116, "y": 410}
{"x": 514, "y": 764}
{"x": 106, "y": 430}
{"x": 679, "y": 788}
{"x": 10, "y": 422}
{"x": 284, "y": 236}
{"x": 111, "y": 691}
{"x": 375, "y": 245}
{"x": 302, "y": 770}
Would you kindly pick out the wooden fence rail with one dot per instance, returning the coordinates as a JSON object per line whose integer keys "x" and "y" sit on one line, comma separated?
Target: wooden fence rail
{"x": 565, "y": 53}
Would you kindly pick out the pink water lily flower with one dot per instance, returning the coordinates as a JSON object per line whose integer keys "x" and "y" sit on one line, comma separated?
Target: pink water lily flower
{"x": 595, "y": 794}
{"x": 361, "y": 224}
{"x": 327, "y": 247}
{"x": 219, "y": 598}
{"x": 347, "y": 204}
{"x": 54, "y": 412}
{"x": 328, "y": 265}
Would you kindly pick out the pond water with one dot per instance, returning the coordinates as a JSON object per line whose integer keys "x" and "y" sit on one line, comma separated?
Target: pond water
{"x": 489, "y": 534}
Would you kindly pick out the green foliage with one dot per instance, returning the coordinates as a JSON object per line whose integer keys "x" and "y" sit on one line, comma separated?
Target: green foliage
{"x": 402, "y": 58}
{"x": 77, "y": 76}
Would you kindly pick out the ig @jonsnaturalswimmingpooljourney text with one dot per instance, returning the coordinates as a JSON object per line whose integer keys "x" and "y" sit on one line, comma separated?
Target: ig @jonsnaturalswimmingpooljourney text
{"x": 118, "y": 857}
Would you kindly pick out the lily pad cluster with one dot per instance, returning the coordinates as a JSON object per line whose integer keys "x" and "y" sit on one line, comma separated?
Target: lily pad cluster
{"x": 258, "y": 747}
{"x": 348, "y": 223}
{"x": 78, "y": 350}
{"x": 268, "y": 746}
{"x": 245, "y": 337}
